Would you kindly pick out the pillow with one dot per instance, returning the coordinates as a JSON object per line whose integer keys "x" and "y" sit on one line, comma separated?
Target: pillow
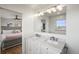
{"x": 7, "y": 31}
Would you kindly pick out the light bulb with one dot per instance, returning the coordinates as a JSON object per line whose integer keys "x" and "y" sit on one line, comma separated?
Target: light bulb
{"x": 36, "y": 15}
{"x": 60, "y": 7}
{"x": 53, "y": 9}
{"x": 49, "y": 11}
{"x": 41, "y": 13}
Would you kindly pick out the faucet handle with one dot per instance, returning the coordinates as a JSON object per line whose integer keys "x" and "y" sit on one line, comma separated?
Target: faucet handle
{"x": 56, "y": 39}
{"x": 52, "y": 38}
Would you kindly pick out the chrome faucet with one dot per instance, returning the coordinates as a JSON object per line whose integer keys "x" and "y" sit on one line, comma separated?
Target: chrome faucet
{"x": 53, "y": 38}
{"x": 38, "y": 35}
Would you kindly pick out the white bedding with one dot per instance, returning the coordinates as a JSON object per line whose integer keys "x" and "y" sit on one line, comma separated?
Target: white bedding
{"x": 11, "y": 36}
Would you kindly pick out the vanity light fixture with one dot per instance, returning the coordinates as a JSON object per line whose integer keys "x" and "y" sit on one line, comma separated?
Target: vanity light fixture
{"x": 54, "y": 9}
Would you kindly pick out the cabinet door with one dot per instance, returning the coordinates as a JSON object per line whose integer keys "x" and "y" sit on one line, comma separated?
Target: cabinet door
{"x": 29, "y": 46}
{"x": 53, "y": 50}
{"x": 32, "y": 46}
{"x": 26, "y": 46}
{"x": 44, "y": 49}
{"x": 50, "y": 50}
{"x": 35, "y": 47}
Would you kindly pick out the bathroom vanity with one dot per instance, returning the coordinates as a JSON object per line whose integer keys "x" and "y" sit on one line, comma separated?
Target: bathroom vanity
{"x": 42, "y": 43}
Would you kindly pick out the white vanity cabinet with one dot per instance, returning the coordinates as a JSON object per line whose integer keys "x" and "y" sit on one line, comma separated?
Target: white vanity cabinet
{"x": 36, "y": 46}
{"x": 48, "y": 49}
{"x": 32, "y": 46}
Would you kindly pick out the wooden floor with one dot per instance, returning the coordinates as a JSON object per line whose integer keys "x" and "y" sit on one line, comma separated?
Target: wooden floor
{"x": 13, "y": 50}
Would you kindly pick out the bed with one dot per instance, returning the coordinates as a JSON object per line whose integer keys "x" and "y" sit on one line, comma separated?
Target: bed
{"x": 10, "y": 40}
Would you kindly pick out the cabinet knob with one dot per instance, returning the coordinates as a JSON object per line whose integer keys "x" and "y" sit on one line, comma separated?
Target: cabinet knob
{"x": 47, "y": 48}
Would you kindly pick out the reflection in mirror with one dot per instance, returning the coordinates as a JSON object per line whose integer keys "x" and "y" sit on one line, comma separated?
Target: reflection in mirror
{"x": 54, "y": 22}
{"x": 58, "y": 24}
{"x": 11, "y": 32}
{"x": 43, "y": 26}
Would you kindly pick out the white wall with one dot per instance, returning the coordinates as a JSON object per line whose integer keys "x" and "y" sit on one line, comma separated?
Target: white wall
{"x": 73, "y": 28}
{"x": 37, "y": 24}
{"x": 27, "y": 28}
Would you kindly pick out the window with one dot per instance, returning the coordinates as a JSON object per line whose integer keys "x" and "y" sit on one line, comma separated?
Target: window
{"x": 61, "y": 23}
{"x": 61, "y": 26}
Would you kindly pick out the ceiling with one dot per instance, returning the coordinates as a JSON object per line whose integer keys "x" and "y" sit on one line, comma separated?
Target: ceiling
{"x": 8, "y": 14}
{"x": 35, "y": 8}
{"x": 27, "y": 7}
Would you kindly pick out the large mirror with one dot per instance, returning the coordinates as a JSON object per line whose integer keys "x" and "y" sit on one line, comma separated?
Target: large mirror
{"x": 52, "y": 20}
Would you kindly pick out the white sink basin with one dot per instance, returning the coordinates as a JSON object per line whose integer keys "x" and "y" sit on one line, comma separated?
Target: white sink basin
{"x": 56, "y": 44}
